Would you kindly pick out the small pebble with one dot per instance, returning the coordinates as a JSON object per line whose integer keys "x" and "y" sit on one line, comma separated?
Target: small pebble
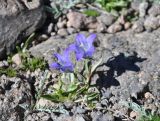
{"x": 127, "y": 25}
{"x": 62, "y": 32}
{"x": 133, "y": 114}
{"x": 50, "y": 28}
{"x": 114, "y": 28}
{"x": 17, "y": 59}
{"x": 148, "y": 95}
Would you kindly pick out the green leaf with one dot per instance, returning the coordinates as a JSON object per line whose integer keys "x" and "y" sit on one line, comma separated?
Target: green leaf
{"x": 92, "y": 13}
{"x": 54, "y": 98}
{"x": 92, "y": 96}
{"x": 72, "y": 88}
{"x": 27, "y": 42}
{"x": 96, "y": 65}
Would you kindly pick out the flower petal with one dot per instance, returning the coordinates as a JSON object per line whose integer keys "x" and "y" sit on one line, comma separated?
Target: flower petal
{"x": 90, "y": 52}
{"x": 91, "y": 38}
{"x": 55, "y": 66}
{"x": 68, "y": 67}
{"x": 80, "y": 38}
{"x": 59, "y": 57}
{"x": 71, "y": 47}
{"x": 79, "y": 54}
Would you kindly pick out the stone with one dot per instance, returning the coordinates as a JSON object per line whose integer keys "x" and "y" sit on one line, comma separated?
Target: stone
{"x": 133, "y": 114}
{"x": 103, "y": 117}
{"x": 127, "y": 25}
{"x": 4, "y": 63}
{"x": 154, "y": 10}
{"x": 79, "y": 118}
{"x": 70, "y": 118}
{"x": 107, "y": 19}
{"x": 93, "y": 25}
{"x": 71, "y": 30}
{"x": 143, "y": 9}
{"x": 42, "y": 37}
{"x": 148, "y": 95}
{"x": 76, "y": 20}
{"x": 18, "y": 19}
{"x": 79, "y": 110}
{"x": 121, "y": 20}
{"x": 101, "y": 27}
{"x": 50, "y": 28}
{"x": 138, "y": 26}
{"x": 151, "y": 23}
{"x": 90, "y": 20}
{"x": 62, "y": 32}
{"x": 114, "y": 28}
{"x": 38, "y": 116}
{"x": 61, "y": 24}
{"x": 17, "y": 59}
{"x": 16, "y": 92}
{"x": 43, "y": 102}
{"x": 135, "y": 4}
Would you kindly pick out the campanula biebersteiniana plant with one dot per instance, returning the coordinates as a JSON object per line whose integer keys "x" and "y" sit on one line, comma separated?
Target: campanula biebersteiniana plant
{"x": 78, "y": 88}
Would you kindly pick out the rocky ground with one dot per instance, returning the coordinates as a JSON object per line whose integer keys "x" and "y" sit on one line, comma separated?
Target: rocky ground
{"x": 130, "y": 51}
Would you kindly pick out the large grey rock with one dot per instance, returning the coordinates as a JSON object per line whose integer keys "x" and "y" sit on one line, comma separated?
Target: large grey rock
{"x": 151, "y": 23}
{"x": 14, "y": 92}
{"x": 18, "y": 19}
{"x": 128, "y": 63}
{"x": 154, "y": 10}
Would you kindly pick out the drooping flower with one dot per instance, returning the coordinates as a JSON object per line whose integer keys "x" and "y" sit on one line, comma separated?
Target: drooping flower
{"x": 63, "y": 63}
{"x": 83, "y": 46}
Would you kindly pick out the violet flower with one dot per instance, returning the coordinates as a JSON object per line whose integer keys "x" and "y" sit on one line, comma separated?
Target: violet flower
{"x": 63, "y": 63}
{"x": 83, "y": 46}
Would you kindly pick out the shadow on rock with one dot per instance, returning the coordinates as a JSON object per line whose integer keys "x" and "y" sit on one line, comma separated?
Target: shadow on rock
{"x": 117, "y": 66}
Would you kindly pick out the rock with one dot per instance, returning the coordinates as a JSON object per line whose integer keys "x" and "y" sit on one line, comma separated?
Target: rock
{"x": 138, "y": 26}
{"x": 42, "y": 37}
{"x": 71, "y": 30}
{"x": 92, "y": 30}
{"x": 101, "y": 27}
{"x": 127, "y": 25}
{"x": 93, "y": 25}
{"x": 114, "y": 28}
{"x": 107, "y": 19}
{"x": 39, "y": 116}
{"x": 76, "y": 20}
{"x": 135, "y": 4}
{"x": 43, "y": 102}
{"x": 151, "y": 23}
{"x": 69, "y": 118}
{"x": 133, "y": 114}
{"x": 61, "y": 24}
{"x": 154, "y": 10}
{"x": 17, "y": 59}
{"x": 154, "y": 86}
{"x": 90, "y": 20}
{"x": 79, "y": 118}
{"x": 79, "y": 110}
{"x": 16, "y": 92}
{"x": 50, "y": 28}
{"x": 17, "y": 21}
{"x": 103, "y": 117}
{"x": 4, "y": 63}
{"x": 121, "y": 20}
{"x": 148, "y": 95}
{"x": 62, "y": 32}
{"x": 53, "y": 33}
{"x": 143, "y": 9}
